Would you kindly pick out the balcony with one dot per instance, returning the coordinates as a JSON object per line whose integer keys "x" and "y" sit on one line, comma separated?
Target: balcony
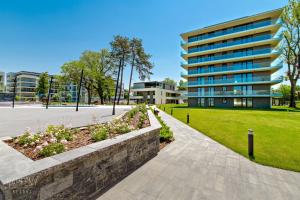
{"x": 233, "y": 69}
{"x": 253, "y": 80}
{"x": 249, "y": 93}
{"x": 231, "y": 57}
{"x": 231, "y": 44}
{"x": 232, "y": 30}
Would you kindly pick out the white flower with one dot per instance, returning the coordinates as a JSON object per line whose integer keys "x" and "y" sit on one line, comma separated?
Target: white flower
{"x": 64, "y": 141}
{"x": 28, "y": 129}
{"x": 32, "y": 143}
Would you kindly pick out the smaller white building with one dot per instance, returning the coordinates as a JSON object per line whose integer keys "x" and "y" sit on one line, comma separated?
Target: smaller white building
{"x": 154, "y": 92}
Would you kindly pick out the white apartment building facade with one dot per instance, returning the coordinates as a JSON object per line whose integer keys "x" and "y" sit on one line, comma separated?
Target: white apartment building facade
{"x": 154, "y": 92}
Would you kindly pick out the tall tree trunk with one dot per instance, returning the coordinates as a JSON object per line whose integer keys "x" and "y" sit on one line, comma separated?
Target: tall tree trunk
{"x": 121, "y": 83}
{"x": 131, "y": 72}
{"x": 101, "y": 94}
{"x": 116, "y": 89}
{"x": 293, "y": 89}
{"x": 89, "y": 92}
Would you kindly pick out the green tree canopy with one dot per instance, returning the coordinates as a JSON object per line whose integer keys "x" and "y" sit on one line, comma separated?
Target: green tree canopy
{"x": 43, "y": 85}
{"x": 170, "y": 81}
{"x": 290, "y": 45}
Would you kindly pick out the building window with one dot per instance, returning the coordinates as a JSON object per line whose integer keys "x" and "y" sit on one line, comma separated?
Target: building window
{"x": 211, "y": 102}
{"x": 201, "y": 102}
{"x": 243, "y": 102}
{"x": 224, "y": 100}
{"x": 237, "y": 102}
{"x": 249, "y": 102}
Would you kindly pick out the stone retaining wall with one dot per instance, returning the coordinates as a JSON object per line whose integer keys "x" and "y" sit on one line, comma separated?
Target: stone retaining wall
{"x": 81, "y": 173}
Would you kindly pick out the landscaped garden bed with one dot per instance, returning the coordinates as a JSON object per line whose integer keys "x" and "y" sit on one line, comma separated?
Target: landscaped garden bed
{"x": 84, "y": 170}
{"x": 165, "y": 134}
{"x": 57, "y": 139}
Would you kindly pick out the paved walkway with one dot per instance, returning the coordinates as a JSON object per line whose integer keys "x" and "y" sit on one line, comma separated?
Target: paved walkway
{"x": 195, "y": 167}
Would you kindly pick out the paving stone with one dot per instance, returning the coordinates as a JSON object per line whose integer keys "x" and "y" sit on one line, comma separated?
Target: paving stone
{"x": 195, "y": 167}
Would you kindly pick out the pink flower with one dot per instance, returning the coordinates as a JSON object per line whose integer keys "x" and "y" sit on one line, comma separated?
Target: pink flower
{"x": 53, "y": 140}
{"x": 45, "y": 144}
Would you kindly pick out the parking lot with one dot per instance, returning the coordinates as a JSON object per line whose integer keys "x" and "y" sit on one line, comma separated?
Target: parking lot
{"x": 14, "y": 121}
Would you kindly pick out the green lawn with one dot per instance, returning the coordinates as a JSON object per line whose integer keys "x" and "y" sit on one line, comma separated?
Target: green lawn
{"x": 277, "y": 131}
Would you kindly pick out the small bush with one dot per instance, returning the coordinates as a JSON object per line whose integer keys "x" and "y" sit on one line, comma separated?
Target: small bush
{"x": 59, "y": 132}
{"x": 166, "y": 135}
{"x": 52, "y": 149}
{"x": 142, "y": 119}
{"x": 100, "y": 133}
{"x": 28, "y": 138}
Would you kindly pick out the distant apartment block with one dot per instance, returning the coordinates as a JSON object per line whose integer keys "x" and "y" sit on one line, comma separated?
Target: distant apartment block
{"x": 230, "y": 64}
{"x": 26, "y": 84}
{"x": 2, "y": 85}
{"x": 155, "y": 92}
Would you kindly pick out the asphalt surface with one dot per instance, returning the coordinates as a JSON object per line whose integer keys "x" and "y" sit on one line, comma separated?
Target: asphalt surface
{"x": 14, "y": 122}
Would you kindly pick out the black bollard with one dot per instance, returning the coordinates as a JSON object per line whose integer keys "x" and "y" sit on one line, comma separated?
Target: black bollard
{"x": 250, "y": 143}
{"x": 188, "y": 118}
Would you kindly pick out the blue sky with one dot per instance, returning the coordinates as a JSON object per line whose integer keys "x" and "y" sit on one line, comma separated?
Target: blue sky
{"x": 40, "y": 35}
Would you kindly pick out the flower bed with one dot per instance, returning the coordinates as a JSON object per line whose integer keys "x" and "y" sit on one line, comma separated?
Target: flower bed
{"x": 165, "y": 134}
{"x": 81, "y": 173}
{"x": 57, "y": 139}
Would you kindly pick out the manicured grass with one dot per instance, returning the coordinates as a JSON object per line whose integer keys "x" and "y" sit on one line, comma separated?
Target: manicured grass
{"x": 277, "y": 131}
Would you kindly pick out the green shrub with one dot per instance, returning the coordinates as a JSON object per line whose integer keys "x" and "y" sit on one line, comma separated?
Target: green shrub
{"x": 142, "y": 119}
{"x": 27, "y": 138}
{"x": 132, "y": 112}
{"x": 123, "y": 128}
{"x": 52, "y": 149}
{"x": 59, "y": 132}
{"x": 142, "y": 108}
{"x": 165, "y": 134}
{"x": 100, "y": 133}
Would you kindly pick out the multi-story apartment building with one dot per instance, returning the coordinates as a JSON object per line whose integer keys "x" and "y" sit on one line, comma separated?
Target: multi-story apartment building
{"x": 230, "y": 64}
{"x": 26, "y": 84}
{"x": 154, "y": 92}
{"x": 2, "y": 86}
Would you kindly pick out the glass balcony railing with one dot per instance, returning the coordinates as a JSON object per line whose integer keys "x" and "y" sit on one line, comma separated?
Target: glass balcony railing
{"x": 224, "y": 81}
{"x": 231, "y": 55}
{"x": 233, "y": 30}
{"x": 235, "y": 67}
{"x": 230, "y": 93}
{"x": 231, "y": 43}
